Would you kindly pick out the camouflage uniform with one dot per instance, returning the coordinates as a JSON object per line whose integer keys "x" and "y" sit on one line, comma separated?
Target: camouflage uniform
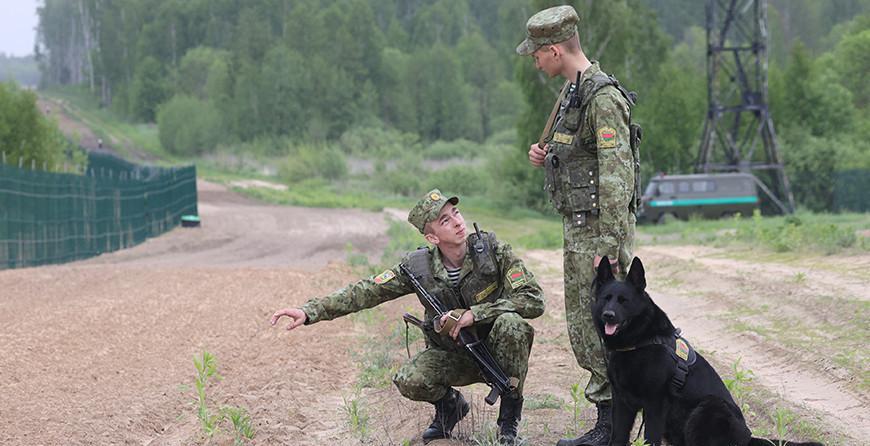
{"x": 602, "y": 135}
{"x": 590, "y": 170}
{"x": 498, "y": 309}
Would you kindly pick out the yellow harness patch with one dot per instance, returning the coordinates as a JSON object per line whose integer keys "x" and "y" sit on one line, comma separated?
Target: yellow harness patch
{"x": 682, "y": 349}
{"x": 384, "y": 277}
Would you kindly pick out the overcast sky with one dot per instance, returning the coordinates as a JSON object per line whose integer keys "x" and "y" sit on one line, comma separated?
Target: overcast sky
{"x": 17, "y": 26}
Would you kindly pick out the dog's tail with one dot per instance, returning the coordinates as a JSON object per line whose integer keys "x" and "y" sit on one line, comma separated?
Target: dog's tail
{"x": 773, "y": 442}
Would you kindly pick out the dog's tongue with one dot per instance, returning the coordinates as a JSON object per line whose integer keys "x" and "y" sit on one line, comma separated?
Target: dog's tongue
{"x": 609, "y": 329}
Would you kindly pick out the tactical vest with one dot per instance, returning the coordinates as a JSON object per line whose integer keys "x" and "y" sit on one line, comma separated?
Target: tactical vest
{"x": 483, "y": 284}
{"x": 571, "y": 163}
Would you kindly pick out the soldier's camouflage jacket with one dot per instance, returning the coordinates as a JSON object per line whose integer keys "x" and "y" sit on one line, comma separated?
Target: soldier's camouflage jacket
{"x": 508, "y": 287}
{"x": 591, "y": 164}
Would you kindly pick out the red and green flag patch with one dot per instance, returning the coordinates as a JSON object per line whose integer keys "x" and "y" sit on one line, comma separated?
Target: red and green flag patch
{"x": 606, "y": 137}
{"x": 682, "y": 349}
{"x": 516, "y": 277}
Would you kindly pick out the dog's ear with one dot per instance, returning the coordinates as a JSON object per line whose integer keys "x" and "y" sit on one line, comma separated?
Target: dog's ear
{"x": 605, "y": 272}
{"x": 636, "y": 275}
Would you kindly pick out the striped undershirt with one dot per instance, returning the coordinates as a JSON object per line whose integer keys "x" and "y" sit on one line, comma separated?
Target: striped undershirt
{"x": 453, "y": 275}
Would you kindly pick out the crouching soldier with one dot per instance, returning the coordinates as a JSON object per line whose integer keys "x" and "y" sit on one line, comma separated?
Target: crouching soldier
{"x": 489, "y": 291}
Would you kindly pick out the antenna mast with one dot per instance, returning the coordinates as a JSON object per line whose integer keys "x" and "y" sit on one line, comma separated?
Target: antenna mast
{"x": 738, "y": 121}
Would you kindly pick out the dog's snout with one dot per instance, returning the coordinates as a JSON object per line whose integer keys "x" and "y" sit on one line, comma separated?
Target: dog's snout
{"x": 608, "y": 316}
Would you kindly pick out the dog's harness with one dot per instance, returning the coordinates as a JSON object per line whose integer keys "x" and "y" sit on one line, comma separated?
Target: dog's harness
{"x": 680, "y": 349}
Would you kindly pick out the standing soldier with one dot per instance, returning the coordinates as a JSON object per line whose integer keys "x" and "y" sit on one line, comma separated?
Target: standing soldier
{"x": 487, "y": 287}
{"x": 589, "y": 153}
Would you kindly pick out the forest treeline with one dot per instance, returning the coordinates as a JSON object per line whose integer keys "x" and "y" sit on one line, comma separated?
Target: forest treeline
{"x": 373, "y": 73}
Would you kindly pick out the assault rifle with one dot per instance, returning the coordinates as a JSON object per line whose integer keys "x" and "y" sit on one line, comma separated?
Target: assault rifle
{"x": 492, "y": 373}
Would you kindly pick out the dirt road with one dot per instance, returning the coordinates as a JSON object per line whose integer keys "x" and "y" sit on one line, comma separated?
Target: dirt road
{"x": 100, "y": 351}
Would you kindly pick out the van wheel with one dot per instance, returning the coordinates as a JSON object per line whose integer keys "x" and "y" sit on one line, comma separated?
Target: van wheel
{"x": 666, "y": 218}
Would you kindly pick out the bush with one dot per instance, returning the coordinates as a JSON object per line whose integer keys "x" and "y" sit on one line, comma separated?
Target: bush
{"x": 463, "y": 180}
{"x": 25, "y": 134}
{"x": 188, "y": 126}
{"x": 378, "y": 142}
{"x": 459, "y": 148}
{"x": 313, "y": 162}
{"x": 404, "y": 178}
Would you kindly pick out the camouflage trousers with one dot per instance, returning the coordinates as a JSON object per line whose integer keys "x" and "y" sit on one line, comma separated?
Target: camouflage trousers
{"x": 578, "y": 260}
{"x": 430, "y": 373}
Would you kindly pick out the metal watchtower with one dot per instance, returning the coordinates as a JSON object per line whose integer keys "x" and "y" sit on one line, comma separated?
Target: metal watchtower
{"x": 738, "y": 121}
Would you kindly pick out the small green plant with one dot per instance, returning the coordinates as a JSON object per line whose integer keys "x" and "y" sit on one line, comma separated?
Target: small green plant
{"x": 357, "y": 416}
{"x": 206, "y": 369}
{"x": 738, "y": 385}
{"x": 782, "y": 418}
{"x": 242, "y": 428}
{"x": 639, "y": 442}
{"x": 800, "y": 277}
{"x": 576, "y": 406}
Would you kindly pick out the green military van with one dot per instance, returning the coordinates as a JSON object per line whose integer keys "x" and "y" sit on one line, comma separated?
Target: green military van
{"x": 707, "y": 195}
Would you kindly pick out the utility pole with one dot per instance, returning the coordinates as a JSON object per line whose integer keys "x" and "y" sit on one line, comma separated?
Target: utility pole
{"x": 738, "y": 132}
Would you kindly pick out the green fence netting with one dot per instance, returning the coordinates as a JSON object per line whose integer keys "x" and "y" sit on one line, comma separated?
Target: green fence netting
{"x": 852, "y": 190}
{"x": 48, "y": 217}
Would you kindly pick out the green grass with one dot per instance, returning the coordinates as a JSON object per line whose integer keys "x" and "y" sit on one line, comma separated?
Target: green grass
{"x": 543, "y": 401}
{"x": 765, "y": 414}
{"x": 802, "y": 232}
{"x": 108, "y": 126}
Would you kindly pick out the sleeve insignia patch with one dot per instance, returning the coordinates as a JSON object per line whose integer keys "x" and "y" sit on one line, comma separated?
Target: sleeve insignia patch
{"x": 563, "y": 138}
{"x": 384, "y": 277}
{"x": 682, "y": 349}
{"x": 516, "y": 277}
{"x": 606, "y": 138}
{"x": 485, "y": 293}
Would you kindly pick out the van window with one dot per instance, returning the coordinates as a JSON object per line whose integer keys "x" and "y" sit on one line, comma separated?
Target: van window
{"x": 666, "y": 188}
{"x": 703, "y": 186}
{"x": 684, "y": 186}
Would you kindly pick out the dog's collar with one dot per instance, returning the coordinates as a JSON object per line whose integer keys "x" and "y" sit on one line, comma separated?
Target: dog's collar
{"x": 675, "y": 343}
{"x": 665, "y": 340}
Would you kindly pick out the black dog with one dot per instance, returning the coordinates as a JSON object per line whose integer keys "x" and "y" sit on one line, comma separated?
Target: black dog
{"x": 651, "y": 367}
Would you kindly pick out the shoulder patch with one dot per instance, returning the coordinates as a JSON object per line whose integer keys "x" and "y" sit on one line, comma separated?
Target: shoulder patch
{"x": 384, "y": 277}
{"x": 516, "y": 277}
{"x": 606, "y": 137}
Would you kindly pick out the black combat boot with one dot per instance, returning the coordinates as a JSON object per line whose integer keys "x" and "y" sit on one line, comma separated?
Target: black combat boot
{"x": 509, "y": 414}
{"x": 598, "y": 435}
{"x": 448, "y": 411}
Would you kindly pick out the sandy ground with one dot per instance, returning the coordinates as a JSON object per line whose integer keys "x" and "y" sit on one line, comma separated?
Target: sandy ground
{"x": 100, "y": 351}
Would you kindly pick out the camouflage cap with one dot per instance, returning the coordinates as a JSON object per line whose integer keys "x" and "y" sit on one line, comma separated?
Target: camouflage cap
{"x": 548, "y": 27}
{"x": 428, "y": 208}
